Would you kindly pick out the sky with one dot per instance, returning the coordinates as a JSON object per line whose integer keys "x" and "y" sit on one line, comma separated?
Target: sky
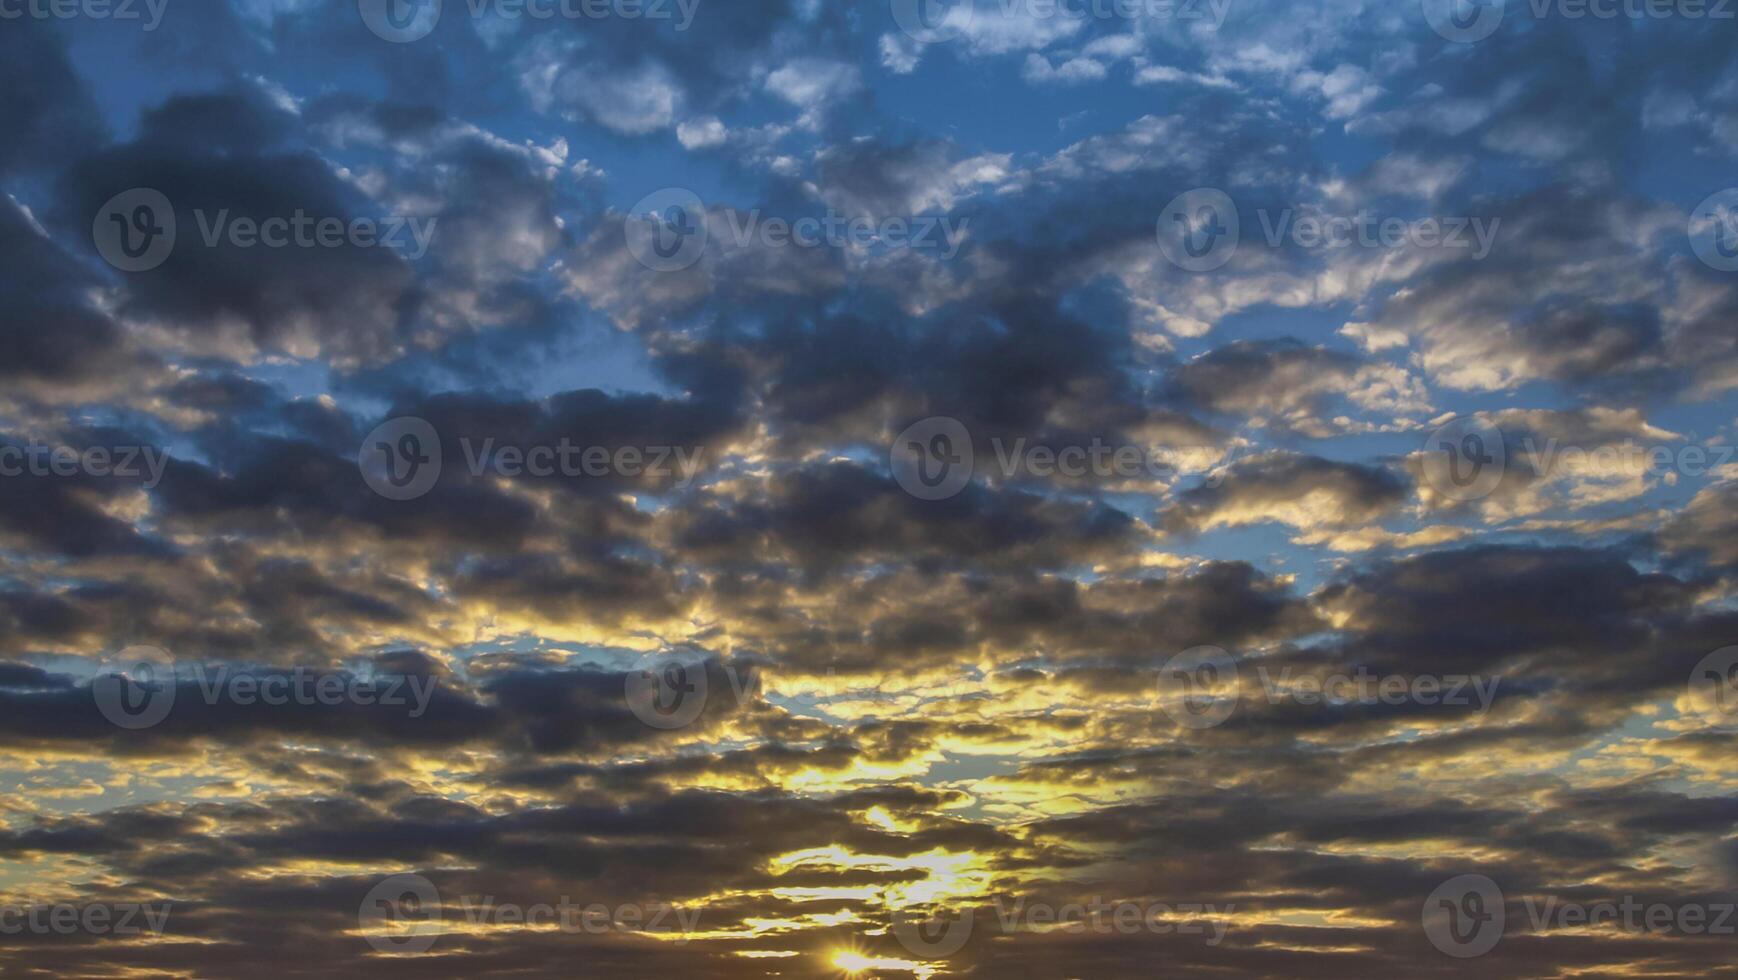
{"x": 891, "y": 489}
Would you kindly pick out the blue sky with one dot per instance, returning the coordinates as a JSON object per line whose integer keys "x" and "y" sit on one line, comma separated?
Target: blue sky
{"x": 679, "y": 394}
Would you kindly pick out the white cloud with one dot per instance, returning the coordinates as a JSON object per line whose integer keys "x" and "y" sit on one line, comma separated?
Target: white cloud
{"x": 702, "y": 132}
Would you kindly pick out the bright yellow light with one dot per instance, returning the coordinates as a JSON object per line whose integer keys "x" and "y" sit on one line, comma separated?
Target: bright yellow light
{"x": 852, "y": 962}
